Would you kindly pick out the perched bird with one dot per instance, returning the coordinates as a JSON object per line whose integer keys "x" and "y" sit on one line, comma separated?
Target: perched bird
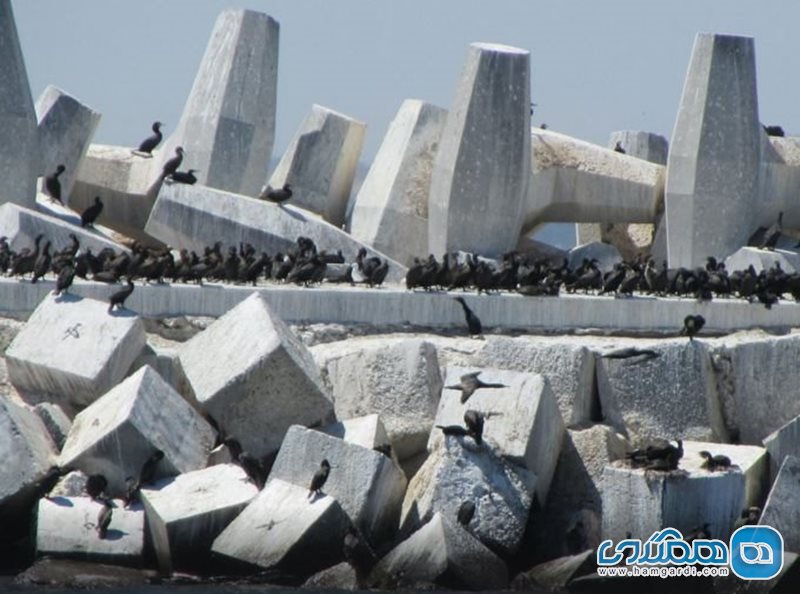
{"x": 95, "y": 485}
{"x": 773, "y": 234}
{"x": 49, "y": 481}
{"x": 469, "y": 382}
{"x": 52, "y": 185}
{"x": 253, "y": 468}
{"x": 90, "y": 214}
{"x": 466, "y": 511}
{"x": 618, "y": 148}
{"x": 131, "y": 491}
{"x": 64, "y": 280}
{"x": 700, "y": 533}
{"x": 118, "y": 299}
{"x": 171, "y": 166}
{"x": 749, "y": 517}
{"x": 148, "y": 471}
{"x": 277, "y": 196}
{"x": 104, "y": 518}
{"x": 152, "y": 141}
{"x": 663, "y": 456}
{"x": 184, "y": 177}
{"x": 457, "y": 430}
{"x": 692, "y": 325}
{"x": 319, "y": 478}
{"x": 474, "y": 422}
{"x": 712, "y": 463}
{"x": 473, "y": 323}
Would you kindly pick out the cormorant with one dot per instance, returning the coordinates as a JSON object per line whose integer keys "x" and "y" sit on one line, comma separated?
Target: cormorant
{"x": 773, "y": 234}
{"x": 749, "y": 517}
{"x": 473, "y": 322}
{"x": 319, "y": 478}
{"x": 278, "y": 196}
{"x": 712, "y": 463}
{"x": 53, "y": 186}
{"x": 618, "y": 148}
{"x": 152, "y": 141}
{"x": 774, "y": 131}
{"x": 90, "y": 214}
{"x": 184, "y": 177}
{"x": 118, "y": 299}
{"x": 466, "y": 511}
{"x": 657, "y": 457}
{"x": 378, "y": 274}
{"x": 172, "y": 165}
{"x": 148, "y": 471}
{"x": 42, "y": 264}
{"x": 64, "y": 280}
{"x": 469, "y": 382}
{"x": 701, "y": 533}
{"x": 104, "y": 518}
{"x": 474, "y": 422}
{"x": 453, "y": 430}
{"x": 692, "y": 325}
{"x": 95, "y": 485}
{"x": 49, "y": 481}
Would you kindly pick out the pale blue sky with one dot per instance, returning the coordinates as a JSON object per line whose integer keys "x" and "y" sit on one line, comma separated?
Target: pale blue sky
{"x": 595, "y": 66}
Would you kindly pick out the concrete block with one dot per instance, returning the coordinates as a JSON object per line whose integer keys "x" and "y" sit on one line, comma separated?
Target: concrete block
{"x": 228, "y": 123}
{"x": 391, "y": 208}
{"x": 367, "y": 484}
{"x": 640, "y": 502}
{"x": 186, "y": 513}
{"x": 261, "y": 382}
{"x": 367, "y": 431}
{"x": 781, "y": 510}
{"x": 459, "y": 471}
{"x": 20, "y": 154}
{"x": 441, "y": 552}
{"x": 714, "y": 159}
{"x": 55, "y": 421}
{"x": 744, "y": 257}
{"x": 557, "y": 573}
{"x": 781, "y": 443}
{"x": 166, "y": 361}
{"x": 72, "y": 484}
{"x": 193, "y": 217}
{"x": 88, "y": 351}
{"x": 66, "y": 127}
{"x": 642, "y": 145}
{"x": 283, "y": 529}
{"x": 398, "y": 379}
{"x": 606, "y": 254}
{"x": 681, "y": 376}
{"x": 480, "y": 175}
{"x": 120, "y": 431}
{"x": 320, "y": 163}
{"x": 751, "y": 460}
{"x": 28, "y": 452}
{"x": 523, "y": 423}
{"x": 67, "y": 527}
{"x": 339, "y": 577}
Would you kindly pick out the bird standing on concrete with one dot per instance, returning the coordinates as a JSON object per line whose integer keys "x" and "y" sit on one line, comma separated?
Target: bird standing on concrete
{"x": 469, "y": 382}
{"x": 473, "y": 322}
{"x": 104, "y": 518}
{"x": 319, "y": 478}
{"x": 184, "y": 177}
{"x": 276, "y": 196}
{"x": 712, "y": 463}
{"x": 118, "y": 299}
{"x": 95, "y": 485}
{"x": 466, "y": 511}
{"x": 748, "y": 517}
{"x": 692, "y": 325}
{"x": 772, "y": 235}
{"x": 171, "y": 166}
{"x": 90, "y": 214}
{"x": 148, "y": 471}
{"x": 474, "y": 422}
{"x": 152, "y": 141}
{"x": 52, "y": 185}
{"x": 618, "y": 148}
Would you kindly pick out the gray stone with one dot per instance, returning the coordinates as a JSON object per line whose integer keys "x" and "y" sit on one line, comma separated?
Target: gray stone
{"x": 20, "y": 153}
{"x": 120, "y": 431}
{"x": 744, "y": 257}
{"x": 480, "y": 175}
{"x": 283, "y": 529}
{"x": 750, "y": 460}
{"x": 523, "y": 423}
{"x": 88, "y": 351}
{"x": 397, "y": 379}
{"x": 783, "y": 442}
{"x": 66, "y": 127}
{"x": 55, "y": 421}
{"x": 321, "y": 161}
{"x": 228, "y": 123}
{"x": 557, "y": 573}
{"x": 391, "y": 208}
{"x": 459, "y": 471}
{"x": 442, "y": 552}
{"x": 367, "y": 484}
{"x": 255, "y": 377}
{"x": 186, "y": 513}
{"x": 714, "y": 157}
{"x": 781, "y": 511}
{"x": 193, "y": 217}
{"x": 606, "y": 254}
{"x": 67, "y": 527}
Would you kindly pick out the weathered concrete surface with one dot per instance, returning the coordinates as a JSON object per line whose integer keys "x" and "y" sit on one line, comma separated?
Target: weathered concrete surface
{"x": 193, "y": 217}
{"x": 20, "y": 154}
{"x": 391, "y": 208}
{"x": 789, "y": 261}
{"x": 186, "y": 513}
{"x": 781, "y": 511}
{"x": 460, "y": 470}
{"x": 606, "y": 255}
{"x": 67, "y": 527}
{"x": 367, "y": 431}
{"x": 228, "y": 123}
{"x": 715, "y": 153}
{"x": 557, "y": 573}
{"x": 88, "y": 351}
{"x": 783, "y": 442}
{"x": 320, "y": 163}
{"x": 441, "y": 552}
{"x": 261, "y": 382}
{"x": 166, "y": 361}
{"x": 481, "y": 171}
{"x": 399, "y": 380}
{"x": 523, "y": 423}
{"x": 670, "y": 396}
{"x": 283, "y": 528}
{"x": 55, "y": 421}
{"x": 120, "y": 431}
{"x": 367, "y": 484}
{"x": 66, "y": 127}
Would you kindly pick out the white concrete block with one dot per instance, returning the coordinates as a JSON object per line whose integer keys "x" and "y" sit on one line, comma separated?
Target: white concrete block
{"x": 320, "y": 163}
{"x": 120, "y": 431}
{"x": 282, "y": 528}
{"x": 166, "y": 361}
{"x": 66, "y": 127}
{"x": 55, "y": 421}
{"x": 367, "y": 484}
{"x": 391, "y": 208}
{"x": 441, "y": 552}
{"x": 186, "y": 513}
{"x": 398, "y": 379}
{"x": 781, "y": 510}
{"x": 255, "y": 377}
{"x": 67, "y": 527}
{"x": 523, "y": 423}
{"x": 88, "y": 351}
{"x": 715, "y": 153}
{"x": 744, "y": 257}
{"x": 781, "y": 443}
{"x": 459, "y": 471}
{"x": 481, "y": 172}
{"x": 367, "y": 431}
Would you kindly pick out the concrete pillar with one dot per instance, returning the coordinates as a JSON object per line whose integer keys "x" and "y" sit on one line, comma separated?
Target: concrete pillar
{"x": 714, "y": 161}
{"x": 391, "y": 209}
{"x": 480, "y": 175}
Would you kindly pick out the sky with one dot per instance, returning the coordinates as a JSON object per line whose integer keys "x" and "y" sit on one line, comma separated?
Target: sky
{"x": 596, "y": 66}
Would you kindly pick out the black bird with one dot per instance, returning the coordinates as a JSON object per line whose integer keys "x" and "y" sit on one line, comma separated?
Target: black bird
{"x": 131, "y": 491}
{"x": 95, "y": 485}
{"x": 278, "y": 196}
{"x": 118, "y": 299}
{"x": 319, "y": 478}
{"x": 657, "y": 457}
{"x": 42, "y": 264}
{"x": 53, "y": 186}
{"x": 171, "y": 166}
{"x": 701, "y": 533}
{"x": 151, "y": 142}
{"x": 385, "y": 449}
{"x": 712, "y": 463}
{"x": 253, "y": 469}
{"x": 104, "y": 518}
{"x": 773, "y": 234}
{"x": 692, "y": 325}
{"x": 148, "y": 471}
{"x": 466, "y": 511}
{"x": 474, "y": 422}
{"x": 49, "y": 481}
{"x": 748, "y": 517}
{"x": 184, "y": 177}
{"x": 774, "y": 131}
{"x": 469, "y": 382}
{"x": 90, "y": 214}
{"x": 64, "y": 280}
{"x": 473, "y": 323}
{"x": 453, "y": 430}
{"x": 618, "y": 148}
